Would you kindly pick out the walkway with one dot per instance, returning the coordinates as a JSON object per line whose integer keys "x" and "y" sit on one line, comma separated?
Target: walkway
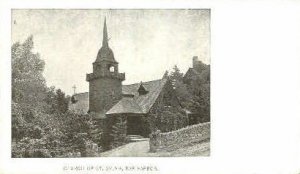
{"x": 141, "y": 149}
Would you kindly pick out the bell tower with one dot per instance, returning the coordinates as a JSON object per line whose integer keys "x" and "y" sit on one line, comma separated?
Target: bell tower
{"x": 105, "y": 83}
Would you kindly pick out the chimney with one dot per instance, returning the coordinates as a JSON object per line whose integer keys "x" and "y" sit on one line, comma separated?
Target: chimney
{"x": 195, "y": 60}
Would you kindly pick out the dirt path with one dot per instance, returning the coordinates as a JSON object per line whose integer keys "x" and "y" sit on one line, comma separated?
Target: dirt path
{"x": 141, "y": 149}
{"x": 136, "y": 149}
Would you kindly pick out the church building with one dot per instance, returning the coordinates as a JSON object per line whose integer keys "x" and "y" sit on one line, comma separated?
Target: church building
{"x": 107, "y": 97}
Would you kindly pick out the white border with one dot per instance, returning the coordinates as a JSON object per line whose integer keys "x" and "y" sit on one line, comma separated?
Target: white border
{"x": 255, "y": 89}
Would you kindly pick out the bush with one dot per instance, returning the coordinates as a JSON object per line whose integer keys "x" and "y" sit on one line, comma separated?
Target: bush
{"x": 118, "y": 132}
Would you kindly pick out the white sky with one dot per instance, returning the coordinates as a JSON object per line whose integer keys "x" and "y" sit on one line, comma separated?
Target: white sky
{"x": 144, "y": 42}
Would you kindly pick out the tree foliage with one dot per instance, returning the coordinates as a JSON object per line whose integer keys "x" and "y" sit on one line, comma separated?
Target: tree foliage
{"x": 41, "y": 123}
{"x": 118, "y": 132}
{"x": 56, "y": 100}
{"x": 200, "y": 90}
{"x": 28, "y": 83}
{"x": 167, "y": 114}
{"x": 193, "y": 96}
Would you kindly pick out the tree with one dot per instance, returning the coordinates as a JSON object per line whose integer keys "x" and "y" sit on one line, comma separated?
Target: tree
{"x": 28, "y": 88}
{"x": 200, "y": 92}
{"x": 200, "y": 98}
{"x": 181, "y": 92}
{"x": 62, "y": 102}
{"x": 176, "y": 75}
{"x": 194, "y": 97}
{"x": 166, "y": 74}
{"x": 118, "y": 132}
{"x": 167, "y": 114}
{"x": 40, "y": 121}
{"x": 28, "y": 83}
{"x": 56, "y": 100}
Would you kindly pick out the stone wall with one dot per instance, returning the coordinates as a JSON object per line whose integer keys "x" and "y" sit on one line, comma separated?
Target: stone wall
{"x": 173, "y": 140}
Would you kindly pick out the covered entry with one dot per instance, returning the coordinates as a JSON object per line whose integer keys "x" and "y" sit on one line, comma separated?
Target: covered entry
{"x": 135, "y": 119}
{"x": 134, "y": 125}
{"x": 137, "y": 125}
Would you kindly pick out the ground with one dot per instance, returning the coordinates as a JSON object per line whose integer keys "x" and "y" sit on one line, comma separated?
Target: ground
{"x": 141, "y": 149}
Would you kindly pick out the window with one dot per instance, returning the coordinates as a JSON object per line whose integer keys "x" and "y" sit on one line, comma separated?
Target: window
{"x": 111, "y": 69}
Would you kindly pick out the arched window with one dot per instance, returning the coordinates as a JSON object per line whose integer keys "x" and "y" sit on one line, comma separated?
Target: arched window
{"x": 112, "y": 69}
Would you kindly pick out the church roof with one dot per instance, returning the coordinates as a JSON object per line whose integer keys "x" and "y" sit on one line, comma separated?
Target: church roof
{"x": 105, "y": 54}
{"x": 79, "y": 103}
{"x": 147, "y": 100}
{"x": 126, "y": 105}
{"x": 138, "y": 103}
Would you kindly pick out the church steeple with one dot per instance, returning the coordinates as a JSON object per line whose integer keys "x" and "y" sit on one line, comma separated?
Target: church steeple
{"x": 105, "y": 38}
{"x": 105, "y": 53}
{"x": 105, "y": 82}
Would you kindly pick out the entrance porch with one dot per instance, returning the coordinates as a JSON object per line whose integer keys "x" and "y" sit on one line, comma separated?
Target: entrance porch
{"x": 137, "y": 125}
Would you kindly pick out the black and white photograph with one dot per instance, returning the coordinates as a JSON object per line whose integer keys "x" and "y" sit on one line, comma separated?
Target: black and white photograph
{"x": 149, "y": 87}
{"x": 110, "y": 83}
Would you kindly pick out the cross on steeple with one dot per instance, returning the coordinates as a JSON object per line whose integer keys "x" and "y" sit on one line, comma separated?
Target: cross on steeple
{"x": 74, "y": 88}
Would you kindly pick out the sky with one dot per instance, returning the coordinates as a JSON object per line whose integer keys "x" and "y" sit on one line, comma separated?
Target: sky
{"x": 146, "y": 43}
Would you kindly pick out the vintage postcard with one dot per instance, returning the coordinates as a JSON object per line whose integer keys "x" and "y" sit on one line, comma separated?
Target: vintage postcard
{"x": 140, "y": 87}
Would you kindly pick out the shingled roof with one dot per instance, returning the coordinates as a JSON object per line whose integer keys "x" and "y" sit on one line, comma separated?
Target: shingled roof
{"x": 126, "y": 105}
{"x": 138, "y": 103}
{"x": 144, "y": 101}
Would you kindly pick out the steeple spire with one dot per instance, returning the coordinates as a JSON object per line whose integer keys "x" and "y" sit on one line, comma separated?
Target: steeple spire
{"x": 105, "y": 38}
{"x": 105, "y": 53}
